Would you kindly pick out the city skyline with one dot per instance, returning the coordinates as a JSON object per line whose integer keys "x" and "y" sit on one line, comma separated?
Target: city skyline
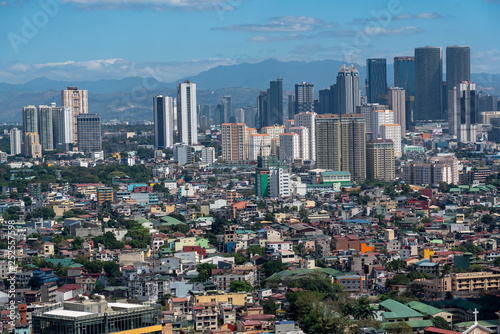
{"x": 227, "y": 32}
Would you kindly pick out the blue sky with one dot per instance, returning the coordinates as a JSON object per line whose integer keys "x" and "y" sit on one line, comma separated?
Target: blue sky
{"x": 170, "y": 39}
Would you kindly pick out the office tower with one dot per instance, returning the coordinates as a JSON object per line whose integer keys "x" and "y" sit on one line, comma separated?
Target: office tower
{"x": 289, "y": 147}
{"x": 380, "y": 117}
{"x": 227, "y": 109}
{"x": 205, "y": 111}
{"x": 250, "y": 115}
{"x": 304, "y": 141}
{"x": 325, "y": 102}
{"x": 262, "y": 110}
{"x": 404, "y": 76}
{"x": 353, "y": 146}
{"x": 462, "y": 112}
{"x": 187, "y": 124}
{"x": 15, "y": 141}
{"x": 367, "y": 110}
{"x": 45, "y": 128}
{"x": 396, "y": 99}
{"x": 487, "y": 103}
{"x": 347, "y": 90}
{"x": 62, "y": 124}
{"x": 307, "y": 119}
{"x": 77, "y": 101}
{"x": 457, "y": 65}
{"x": 234, "y": 142}
{"x": 208, "y": 155}
{"x": 259, "y": 146}
{"x": 304, "y": 98}
{"x": 183, "y": 153}
{"x": 30, "y": 119}
{"x": 328, "y": 141}
{"x": 428, "y": 83}
{"x": 239, "y": 115}
{"x": 89, "y": 132}
{"x": 276, "y": 102}
{"x": 32, "y": 147}
{"x": 291, "y": 106}
{"x": 376, "y": 80}
{"x": 163, "y": 114}
{"x": 392, "y": 132}
{"x": 218, "y": 114}
{"x": 380, "y": 160}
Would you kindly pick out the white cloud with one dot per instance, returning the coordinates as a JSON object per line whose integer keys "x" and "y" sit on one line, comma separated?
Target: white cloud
{"x": 376, "y": 31}
{"x": 263, "y": 38}
{"x": 288, "y": 23}
{"x": 423, "y": 16}
{"x": 487, "y": 61}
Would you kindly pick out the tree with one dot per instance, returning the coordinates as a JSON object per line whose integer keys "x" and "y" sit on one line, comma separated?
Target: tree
{"x": 255, "y": 250}
{"x": 394, "y": 265}
{"x": 77, "y": 243}
{"x": 238, "y": 258}
{"x": 269, "y": 306}
{"x": 400, "y": 327}
{"x": 237, "y": 286}
{"x": 205, "y": 271}
{"x": 271, "y": 267}
{"x": 139, "y": 236}
{"x": 45, "y": 213}
{"x": 440, "y": 322}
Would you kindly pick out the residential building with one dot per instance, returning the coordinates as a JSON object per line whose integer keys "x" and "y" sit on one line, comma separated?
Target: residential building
{"x": 353, "y": 147}
{"x": 208, "y": 155}
{"x": 347, "y": 89}
{"x": 62, "y": 123}
{"x": 163, "y": 114}
{"x": 404, "y": 77}
{"x": 77, "y": 101}
{"x": 104, "y": 194}
{"x": 380, "y": 117}
{"x": 289, "y": 147}
{"x": 30, "y": 119}
{"x": 327, "y": 141}
{"x": 380, "y": 160}
{"x": 308, "y": 120}
{"x": 462, "y": 111}
{"x": 234, "y": 142}
{"x": 32, "y": 147}
{"x": 259, "y": 146}
{"x": 15, "y": 141}
{"x": 367, "y": 109}
{"x": 187, "y": 121}
{"x": 304, "y": 98}
{"x": 396, "y": 99}
{"x": 304, "y": 141}
{"x": 392, "y": 132}
{"x": 89, "y": 132}
{"x": 183, "y": 154}
{"x": 45, "y": 128}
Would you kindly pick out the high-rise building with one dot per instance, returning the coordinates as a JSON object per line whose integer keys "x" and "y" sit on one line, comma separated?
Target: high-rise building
{"x": 462, "y": 112}
{"x": 250, "y": 115}
{"x": 428, "y": 83}
{"x": 380, "y": 117}
{"x": 259, "y": 146}
{"x": 353, "y": 146}
{"x": 380, "y": 160}
{"x": 376, "y": 80}
{"x": 289, "y": 147}
{"x": 163, "y": 113}
{"x": 183, "y": 153}
{"x": 325, "y": 102}
{"x": 187, "y": 124}
{"x": 45, "y": 128}
{"x": 263, "y": 110}
{"x": 392, "y": 132}
{"x": 328, "y": 141}
{"x": 347, "y": 90}
{"x": 291, "y": 106}
{"x": 487, "y": 103}
{"x": 227, "y": 109}
{"x": 275, "y": 100}
{"x": 30, "y": 119}
{"x": 396, "y": 98}
{"x": 32, "y": 147}
{"x": 89, "y": 132}
{"x": 77, "y": 101}
{"x": 234, "y": 142}
{"x": 208, "y": 155}
{"x": 62, "y": 123}
{"x": 272, "y": 182}
{"x": 15, "y": 141}
{"x": 367, "y": 110}
{"x": 304, "y": 141}
{"x": 304, "y": 98}
{"x": 307, "y": 119}
{"x": 457, "y": 65}
{"x": 404, "y": 76}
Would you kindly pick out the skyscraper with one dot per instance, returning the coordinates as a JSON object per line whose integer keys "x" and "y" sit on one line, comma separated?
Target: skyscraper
{"x": 227, "y": 109}
{"x": 77, "y": 101}
{"x": 462, "y": 112}
{"x": 307, "y": 119}
{"x": 396, "y": 98}
{"x": 404, "y": 76}
{"x": 275, "y": 94}
{"x": 163, "y": 112}
{"x": 304, "y": 141}
{"x": 291, "y": 106}
{"x": 30, "y": 119}
{"x": 380, "y": 117}
{"x": 262, "y": 110}
{"x": 187, "y": 124}
{"x": 89, "y": 132}
{"x": 392, "y": 132}
{"x": 354, "y": 146}
{"x": 347, "y": 89}
{"x": 289, "y": 147}
{"x": 328, "y": 141}
{"x": 304, "y": 97}
{"x": 45, "y": 128}
{"x": 380, "y": 160}
{"x": 32, "y": 147}
{"x": 376, "y": 80}
{"x": 325, "y": 101}
{"x": 62, "y": 123}
{"x": 234, "y": 142}
{"x": 457, "y": 65}
{"x": 428, "y": 83}
{"x": 15, "y": 141}
{"x": 367, "y": 110}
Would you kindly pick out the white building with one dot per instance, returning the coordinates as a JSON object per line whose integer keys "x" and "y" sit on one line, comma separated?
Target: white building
{"x": 397, "y": 102}
{"x": 259, "y": 146}
{"x": 393, "y": 132}
{"x": 77, "y": 101}
{"x": 15, "y": 141}
{"x": 307, "y": 119}
{"x": 183, "y": 154}
{"x": 187, "y": 122}
{"x": 208, "y": 155}
{"x": 289, "y": 147}
{"x": 163, "y": 112}
{"x": 279, "y": 183}
{"x": 380, "y": 117}
{"x": 304, "y": 140}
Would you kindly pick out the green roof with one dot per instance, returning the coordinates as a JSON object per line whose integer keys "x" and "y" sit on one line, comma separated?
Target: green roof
{"x": 167, "y": 220}
{"x": 398, "y": 310}
{"x": 336, "y": 173}
{"x": 62, "y": 262}
{"x": 424, "y": 308}
{"x": 420, "y": 323}
{"x": 294, "y": 272}
{"x": 462, "y": 303}
{"x": 485, "y": 323}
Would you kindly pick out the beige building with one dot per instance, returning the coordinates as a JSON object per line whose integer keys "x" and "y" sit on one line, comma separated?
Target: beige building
{"x": 392, "y": 132}
{"x": 235, "y": 298}
{"x": 234, "y": 142}
{"x": 462, "y": 283}
{"x": 327, "y": 141}
{"x": 32, "y": 147}
{"x": 77, "y": 101}
{"x": 354, "y": 146}
{"x": 380, "y": 160}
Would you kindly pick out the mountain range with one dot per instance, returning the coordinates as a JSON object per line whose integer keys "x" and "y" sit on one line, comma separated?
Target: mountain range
{"x": 131, "y": 98}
